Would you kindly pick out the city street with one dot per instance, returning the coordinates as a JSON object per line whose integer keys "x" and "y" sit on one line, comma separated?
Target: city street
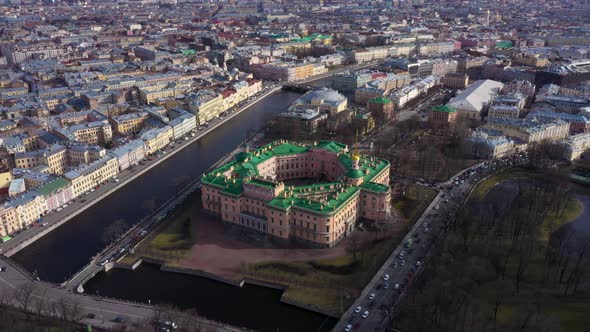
{"x": 381, "y": 297}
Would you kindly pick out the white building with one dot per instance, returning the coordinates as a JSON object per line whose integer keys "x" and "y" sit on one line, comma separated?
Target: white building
{"x": 473, "y": 100}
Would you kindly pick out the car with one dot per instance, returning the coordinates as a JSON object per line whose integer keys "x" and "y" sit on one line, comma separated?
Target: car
{"x": 386, "y": 277}
{"x": 402, "y": 263}
{"x": 436, "y": 207}
{"x": 2, "y": 268}
{"x": 348, "y": 328}
{"x": 119, "y": 319}
{"x": 171, "y": 324}
{"x": 144, "y": 232}
{"x": 394, "y": 265}
{"x": 396, "y": 286}
{"x": 372, "y": 296}
{"x": 386, "y": 285}
{"x": 358, "y": 309}
{"x": 418, "y": 263}
{"x": 365, "y": 314}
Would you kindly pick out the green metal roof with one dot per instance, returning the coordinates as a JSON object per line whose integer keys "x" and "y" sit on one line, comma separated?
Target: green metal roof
{"x": 375, "y": 187}
{"x": 444, "y": 108}
{"x": 53, "y": 186}
{"x": 380, "y": 100}
{"x": 231, "y": 176}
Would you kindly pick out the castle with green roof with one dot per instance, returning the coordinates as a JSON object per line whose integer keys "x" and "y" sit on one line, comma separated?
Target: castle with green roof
{"x": 250, "y": 191}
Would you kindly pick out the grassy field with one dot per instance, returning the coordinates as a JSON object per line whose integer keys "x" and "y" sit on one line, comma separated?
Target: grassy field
{"x": 484, "y": 187}
{"x": 331, "y": 284}
{"x": 171, "y": 242}
{"x": 414, "y": 202}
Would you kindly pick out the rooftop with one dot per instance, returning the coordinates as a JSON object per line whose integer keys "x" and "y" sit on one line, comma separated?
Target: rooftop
{"x": 231, "y": 177}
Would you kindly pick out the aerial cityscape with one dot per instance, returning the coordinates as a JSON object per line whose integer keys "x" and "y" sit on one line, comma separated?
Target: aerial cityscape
{"x": 295, "y": 165}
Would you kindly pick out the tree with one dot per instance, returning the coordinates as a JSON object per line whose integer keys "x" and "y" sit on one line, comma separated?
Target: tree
{"x": 23, "y": 296}
{"x": 114, "y": 230}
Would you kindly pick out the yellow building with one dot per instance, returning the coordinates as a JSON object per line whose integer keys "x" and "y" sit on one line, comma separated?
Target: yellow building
{"x": 8, "y": 220}
{"x": 97, "y": 132}
{"x": 54, "y": 157}
{"x": 5, "y": 178}
{"x": 88, "y": 176}
{"x": 157, "y": 138}
{"x": 130, "y": 123}
{"x": 205, "y": 105}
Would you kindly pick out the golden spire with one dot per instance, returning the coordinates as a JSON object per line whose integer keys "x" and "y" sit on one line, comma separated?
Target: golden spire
{"x": 355, "y": 154}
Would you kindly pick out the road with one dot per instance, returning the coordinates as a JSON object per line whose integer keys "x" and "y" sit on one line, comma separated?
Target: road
{"x": 104, "y": 312}
{"x": 391, "y": 281}
{"x": 78, "y": 205}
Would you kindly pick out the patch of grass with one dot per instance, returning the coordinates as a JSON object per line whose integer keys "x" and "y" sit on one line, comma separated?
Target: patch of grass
{"x": 178, "y": 234}
{"x": 282, "y": 267}
{"x": 329, "y": 298}
{"x": 327, "y": 282}
{"x": 572, "y": 211}
{"x": 484, "y": 186}
{"x": 336, "y": 269}
{"x": 414, "y": 202}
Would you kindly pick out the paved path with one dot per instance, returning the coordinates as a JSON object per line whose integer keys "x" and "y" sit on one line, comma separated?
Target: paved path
{"x": 402, "y": 270}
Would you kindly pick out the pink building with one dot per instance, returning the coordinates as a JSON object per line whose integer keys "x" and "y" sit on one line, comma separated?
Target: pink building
{"x": 250, "y": 191}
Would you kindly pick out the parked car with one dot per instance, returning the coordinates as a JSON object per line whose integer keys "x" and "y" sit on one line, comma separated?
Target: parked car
{"x": 358, "y": 309}
{"x": 365, "y": 314}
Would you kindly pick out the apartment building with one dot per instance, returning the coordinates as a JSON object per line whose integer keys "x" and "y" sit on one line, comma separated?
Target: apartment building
{"x": 87, "y": 176}
{"x": 157, "y": 138}
{"x": 128, "y": 124}
{"x": 54, "y": 157}
{"x": 129, "y": 154}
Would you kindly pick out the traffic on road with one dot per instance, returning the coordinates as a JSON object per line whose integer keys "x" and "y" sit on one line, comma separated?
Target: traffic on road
{"x": 378, "y": 303}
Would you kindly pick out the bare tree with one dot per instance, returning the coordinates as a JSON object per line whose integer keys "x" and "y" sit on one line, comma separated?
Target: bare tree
{"x": 23, "y": 296}
{"x": 40, "y": 304}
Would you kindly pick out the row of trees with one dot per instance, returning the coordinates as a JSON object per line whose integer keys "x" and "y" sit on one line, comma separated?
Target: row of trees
{"x": 31, "y": 301}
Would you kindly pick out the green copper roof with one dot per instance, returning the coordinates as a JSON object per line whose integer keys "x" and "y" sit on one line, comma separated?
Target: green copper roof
{"x": 354, "y": 173}
{"x": 230, "y": 177}
{"x": 53, "y": 186}
{"x": 380, "y": 100}
{"x": 375, "y": 187}
{"x": 444, "y": 108}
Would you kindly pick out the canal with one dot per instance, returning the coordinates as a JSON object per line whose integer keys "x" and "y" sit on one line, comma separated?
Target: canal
{"x": 61, "y": 253}
{"x": 250, "y": 306}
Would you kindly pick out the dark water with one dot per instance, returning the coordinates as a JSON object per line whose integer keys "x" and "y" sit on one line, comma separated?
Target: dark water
{"x": 65, "y": 250}
{"x": 249, "y": 306}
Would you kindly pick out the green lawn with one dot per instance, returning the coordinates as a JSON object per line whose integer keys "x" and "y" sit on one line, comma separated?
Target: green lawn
{"x": 328, "y": 284}
{"x": 414, "y": 202}
{"x": 172, "y": 241}
{"x": 484, "y": 186}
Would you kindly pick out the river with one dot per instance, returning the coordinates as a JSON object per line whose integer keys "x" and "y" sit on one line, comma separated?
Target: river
{"x": 61, "y": 253}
